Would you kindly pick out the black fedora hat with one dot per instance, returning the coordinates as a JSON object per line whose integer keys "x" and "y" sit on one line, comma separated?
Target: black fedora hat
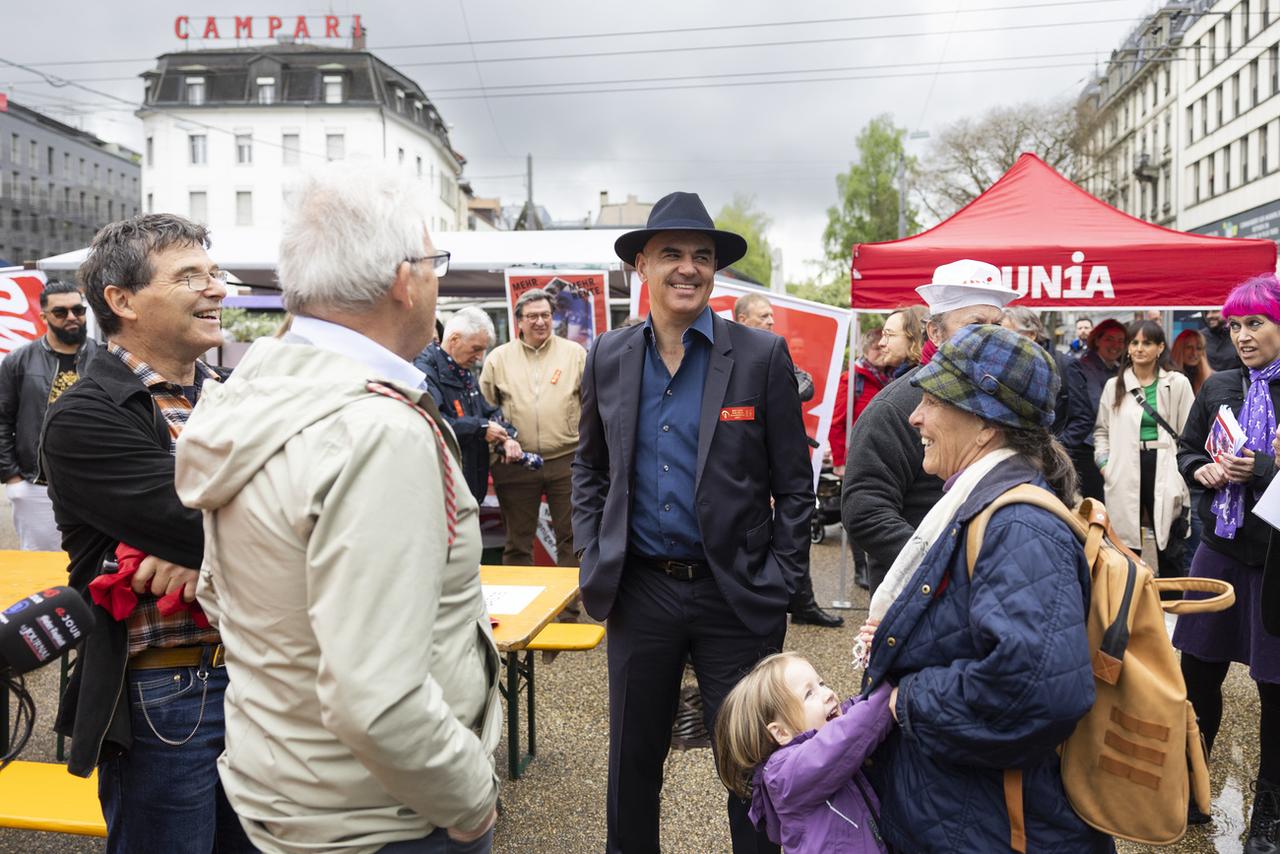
{"x": 682, "y": 212}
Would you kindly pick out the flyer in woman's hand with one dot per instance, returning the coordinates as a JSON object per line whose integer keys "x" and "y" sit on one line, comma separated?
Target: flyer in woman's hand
{"x": 1226, "y": 436}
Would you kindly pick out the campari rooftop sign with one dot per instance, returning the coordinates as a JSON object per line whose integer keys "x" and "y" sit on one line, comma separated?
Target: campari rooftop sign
{"x": 187, "y": 27}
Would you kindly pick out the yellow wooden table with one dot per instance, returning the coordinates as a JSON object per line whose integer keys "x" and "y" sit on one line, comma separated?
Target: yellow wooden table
{"x": 559, "y": 586}
{"x": 24, "y": 573}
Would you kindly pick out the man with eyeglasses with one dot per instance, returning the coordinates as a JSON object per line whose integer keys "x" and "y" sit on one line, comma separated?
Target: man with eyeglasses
{"x": 32, "y": 377}
{"x": 535, "y": 380}
{"x": 145, "y": 701}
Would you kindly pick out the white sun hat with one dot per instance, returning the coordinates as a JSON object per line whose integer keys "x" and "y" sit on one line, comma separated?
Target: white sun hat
{"x": 965, "y": 283}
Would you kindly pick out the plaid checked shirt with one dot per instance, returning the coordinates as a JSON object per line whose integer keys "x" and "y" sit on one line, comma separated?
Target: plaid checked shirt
{"x": 147, "y": 626}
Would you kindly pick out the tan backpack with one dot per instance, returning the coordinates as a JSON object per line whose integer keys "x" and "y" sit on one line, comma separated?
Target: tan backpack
{"x": 1136, "y": 757}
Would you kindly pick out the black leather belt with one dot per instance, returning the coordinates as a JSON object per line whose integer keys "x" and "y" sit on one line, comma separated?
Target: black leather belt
{"x": 680, "y": 570}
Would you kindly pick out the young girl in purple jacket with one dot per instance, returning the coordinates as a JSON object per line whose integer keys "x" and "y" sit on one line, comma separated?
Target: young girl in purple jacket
{"x": 784, "y": 740}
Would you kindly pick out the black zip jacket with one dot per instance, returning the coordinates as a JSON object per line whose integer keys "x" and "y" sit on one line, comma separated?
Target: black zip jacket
{"x": 105, "y": 453}
{"x": 886, "y": 492}
{"x": 26, "y": 377}
{"x": 1227, "y": 387}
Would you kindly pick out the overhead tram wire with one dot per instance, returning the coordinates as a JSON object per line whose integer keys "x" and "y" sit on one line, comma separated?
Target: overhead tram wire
{"x": 60, "y": 83}
{"x": 719, "y": 28}
{"x": 664, "y": 31}
{"x": 679, "y": 77}
{"x": 731, "y": 85}
{"x": 703, "y": 48}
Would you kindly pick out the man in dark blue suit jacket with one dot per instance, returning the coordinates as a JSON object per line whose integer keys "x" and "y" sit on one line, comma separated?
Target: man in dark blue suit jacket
{"x": 692, "y": 492}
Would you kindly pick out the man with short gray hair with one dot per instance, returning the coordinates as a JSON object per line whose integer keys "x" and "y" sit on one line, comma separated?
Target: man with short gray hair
{"x": 536, "y": 379}
{"x": 342, "y": 561}
{"x": 478, "y": 424}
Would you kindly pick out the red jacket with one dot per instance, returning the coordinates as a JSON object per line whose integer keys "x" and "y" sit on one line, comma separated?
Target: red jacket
{"x": 872, "y": 382}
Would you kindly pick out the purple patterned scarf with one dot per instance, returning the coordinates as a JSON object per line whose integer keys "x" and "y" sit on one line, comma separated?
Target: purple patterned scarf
{"x": 1258, "y": 418}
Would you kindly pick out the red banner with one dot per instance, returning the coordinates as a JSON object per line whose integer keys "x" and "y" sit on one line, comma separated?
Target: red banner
{"x": 20, "y": 319}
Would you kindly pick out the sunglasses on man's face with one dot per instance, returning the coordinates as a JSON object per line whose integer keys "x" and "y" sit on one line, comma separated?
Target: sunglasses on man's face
{"x": 60, "y": 311}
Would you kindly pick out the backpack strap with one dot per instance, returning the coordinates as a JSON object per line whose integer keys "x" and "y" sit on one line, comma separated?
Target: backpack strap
{"x": 1024, "y": 493}
{"x": 1156, "y": 416}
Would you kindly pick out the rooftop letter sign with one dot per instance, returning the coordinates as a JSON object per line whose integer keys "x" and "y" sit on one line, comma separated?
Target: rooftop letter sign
{"x": 264, "y": 27}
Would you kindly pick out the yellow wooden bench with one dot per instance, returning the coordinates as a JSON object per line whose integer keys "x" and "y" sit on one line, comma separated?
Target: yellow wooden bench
{"x": 563, "y": 637}
{"x": 43, "y": 796}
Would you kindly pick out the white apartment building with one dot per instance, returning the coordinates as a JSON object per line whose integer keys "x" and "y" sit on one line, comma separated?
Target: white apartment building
{"x": 225, "y": 128}
{"x": 1232, "y": 107}
{"x": 1133, "y": 149}
{"x": 1185, "y": 122}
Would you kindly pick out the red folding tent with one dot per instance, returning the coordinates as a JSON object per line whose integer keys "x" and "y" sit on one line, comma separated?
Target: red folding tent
{"x": 1063, "y": 249}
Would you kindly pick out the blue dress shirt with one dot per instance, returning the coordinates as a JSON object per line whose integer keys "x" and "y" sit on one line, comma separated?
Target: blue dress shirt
{"x": 664, "y": 522}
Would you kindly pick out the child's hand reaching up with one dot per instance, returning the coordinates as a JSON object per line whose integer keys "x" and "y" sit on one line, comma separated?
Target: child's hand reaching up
{"x": 862, "y": 645}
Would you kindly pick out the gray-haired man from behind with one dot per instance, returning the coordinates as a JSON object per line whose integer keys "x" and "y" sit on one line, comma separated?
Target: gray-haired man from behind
{"x": 343, "y": 549}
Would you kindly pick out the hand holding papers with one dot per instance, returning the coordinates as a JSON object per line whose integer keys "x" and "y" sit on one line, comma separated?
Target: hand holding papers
{"x": 1226, "y": 436}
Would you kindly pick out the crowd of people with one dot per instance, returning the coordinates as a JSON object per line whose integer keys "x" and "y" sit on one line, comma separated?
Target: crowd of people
{"x": 292, "y": 649}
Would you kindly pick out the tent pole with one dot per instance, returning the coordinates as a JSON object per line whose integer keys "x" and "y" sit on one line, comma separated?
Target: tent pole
{"x": 842, "y": 594}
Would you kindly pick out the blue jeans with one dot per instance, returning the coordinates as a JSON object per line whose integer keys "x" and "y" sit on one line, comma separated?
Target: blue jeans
{"x": 167, "y": 797}
{"x": 438, "y": 842}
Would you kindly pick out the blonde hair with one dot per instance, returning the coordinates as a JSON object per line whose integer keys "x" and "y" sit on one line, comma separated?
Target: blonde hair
{"x": 743, "y": 740}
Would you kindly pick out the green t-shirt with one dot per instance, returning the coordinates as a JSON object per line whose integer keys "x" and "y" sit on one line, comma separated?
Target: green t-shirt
{"x": 1148, "y": 431}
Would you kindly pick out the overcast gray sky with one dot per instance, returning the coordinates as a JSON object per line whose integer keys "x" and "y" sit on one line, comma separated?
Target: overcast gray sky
{"x": 711, "y": 112}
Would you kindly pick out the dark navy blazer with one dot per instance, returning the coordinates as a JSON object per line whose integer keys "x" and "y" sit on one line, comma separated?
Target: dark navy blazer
{"x": 756, "y": 554}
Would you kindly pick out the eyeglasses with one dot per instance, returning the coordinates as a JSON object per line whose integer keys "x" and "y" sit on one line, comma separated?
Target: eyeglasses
{"x": 196, "y": 282}
{"x": 61, "y": 311}
{"x": 439, "y": 262}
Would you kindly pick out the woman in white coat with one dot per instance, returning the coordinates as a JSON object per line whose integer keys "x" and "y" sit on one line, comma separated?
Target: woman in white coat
{"x": 1137, "y": 454}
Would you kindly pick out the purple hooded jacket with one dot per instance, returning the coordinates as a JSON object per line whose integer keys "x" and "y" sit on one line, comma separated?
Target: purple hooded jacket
{"x": 811, "y": 795}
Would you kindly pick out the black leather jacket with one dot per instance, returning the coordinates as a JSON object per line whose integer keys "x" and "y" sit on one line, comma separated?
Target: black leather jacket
{"x": 26, "y": 376}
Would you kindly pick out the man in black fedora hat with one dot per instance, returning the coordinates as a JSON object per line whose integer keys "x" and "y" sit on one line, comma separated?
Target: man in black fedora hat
{"x": 690, "y": 425}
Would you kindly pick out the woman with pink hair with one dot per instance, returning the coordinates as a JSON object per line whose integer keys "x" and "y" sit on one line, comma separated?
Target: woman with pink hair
{"x": 1234, "y": 541}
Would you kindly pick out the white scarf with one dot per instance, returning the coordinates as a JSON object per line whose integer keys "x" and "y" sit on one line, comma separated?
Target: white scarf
{"x": 931, "y": 528}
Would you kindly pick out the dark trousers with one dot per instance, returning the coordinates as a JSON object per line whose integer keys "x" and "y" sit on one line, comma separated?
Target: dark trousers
{"x": 655, "y": 623}
{"x": 1171, "y": 562}
{"x": 1091, "y": 483}
{"x": 520, "y": 492}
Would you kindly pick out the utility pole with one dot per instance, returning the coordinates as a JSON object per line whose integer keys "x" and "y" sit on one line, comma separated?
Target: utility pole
{"x": 902, "y": 195}
{"x": 531, "y": 220}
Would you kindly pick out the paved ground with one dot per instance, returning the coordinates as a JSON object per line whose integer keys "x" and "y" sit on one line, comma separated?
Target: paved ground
{"x": 558, "y": 806}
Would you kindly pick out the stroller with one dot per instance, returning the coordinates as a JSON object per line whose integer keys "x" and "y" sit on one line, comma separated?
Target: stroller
{"x": 826, "y": 510}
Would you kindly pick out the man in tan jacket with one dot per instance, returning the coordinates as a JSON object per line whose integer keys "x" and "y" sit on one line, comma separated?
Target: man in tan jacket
{"x": 536, "y": 380}
{"x": 342, "y": 549}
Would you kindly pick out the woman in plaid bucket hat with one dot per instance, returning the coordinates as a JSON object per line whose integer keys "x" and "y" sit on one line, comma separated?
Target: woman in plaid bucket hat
{"x": 991, "y": 670}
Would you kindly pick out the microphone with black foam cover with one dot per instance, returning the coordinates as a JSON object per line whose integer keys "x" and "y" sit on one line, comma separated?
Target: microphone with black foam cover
{"x": 41, "y": 628}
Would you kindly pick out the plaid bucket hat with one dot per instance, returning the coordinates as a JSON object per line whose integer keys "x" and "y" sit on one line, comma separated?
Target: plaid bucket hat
{"x": 994, "y": 374}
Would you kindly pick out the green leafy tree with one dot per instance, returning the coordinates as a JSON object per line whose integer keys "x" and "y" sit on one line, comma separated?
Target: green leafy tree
{"x": 741, "y": 217}
{"x": 867, "y": 207}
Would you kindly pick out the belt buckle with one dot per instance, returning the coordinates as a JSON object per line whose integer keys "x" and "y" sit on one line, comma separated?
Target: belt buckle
{"x": 680, "y": 570}
{"x": 219, "y": 656}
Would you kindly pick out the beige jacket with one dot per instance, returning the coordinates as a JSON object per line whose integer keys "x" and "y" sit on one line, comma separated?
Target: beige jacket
{"x": 538, "y": 390}
{"x": 363, "y": 704}
{"x": 1116, "y": 444}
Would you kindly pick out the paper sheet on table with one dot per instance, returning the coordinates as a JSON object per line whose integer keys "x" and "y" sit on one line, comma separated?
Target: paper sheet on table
{"x": 508, "y": 598}
{"x": 1268, "y": 506}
